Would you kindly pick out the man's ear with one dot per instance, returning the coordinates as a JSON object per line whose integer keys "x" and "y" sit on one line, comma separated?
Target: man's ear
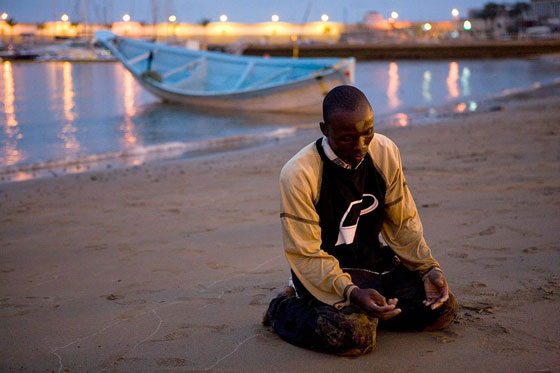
{"x": 324, "y": 128}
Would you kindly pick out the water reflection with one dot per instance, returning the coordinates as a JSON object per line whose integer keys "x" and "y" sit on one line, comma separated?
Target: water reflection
{"x": 426, "y": 86}
{"x": 452, "y": 80}
{"x": 130, "y": 138}
{"x": 119, "y": 118}
{"x": 465, "y": 77}
{"x": 11, "y": 153}
{"x": 68, "y": 131}
{"x": 393, "y": 86}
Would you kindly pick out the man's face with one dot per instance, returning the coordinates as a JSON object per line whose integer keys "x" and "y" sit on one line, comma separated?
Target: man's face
{"x": 349, "y": 133}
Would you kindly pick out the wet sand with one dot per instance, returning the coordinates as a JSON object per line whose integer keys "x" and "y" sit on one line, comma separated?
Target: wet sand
{"x": 171, "y": 266}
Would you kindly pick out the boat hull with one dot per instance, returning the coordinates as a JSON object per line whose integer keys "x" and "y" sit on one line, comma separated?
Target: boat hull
{"x": 238, "y": 83}
{"x": 301, "y": 97}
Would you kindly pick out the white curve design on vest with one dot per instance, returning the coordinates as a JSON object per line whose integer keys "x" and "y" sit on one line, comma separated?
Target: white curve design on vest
{"x": 346, "y": 234}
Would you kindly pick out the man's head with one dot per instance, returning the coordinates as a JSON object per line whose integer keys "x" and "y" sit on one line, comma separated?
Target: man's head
{"x": 348, "y": 123}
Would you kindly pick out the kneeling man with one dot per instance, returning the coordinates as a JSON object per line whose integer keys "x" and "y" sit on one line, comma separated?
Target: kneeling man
{"x": 338, "y": 194}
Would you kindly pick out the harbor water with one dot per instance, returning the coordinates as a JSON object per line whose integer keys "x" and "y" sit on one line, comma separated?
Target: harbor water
{"x": 63, "y": 117}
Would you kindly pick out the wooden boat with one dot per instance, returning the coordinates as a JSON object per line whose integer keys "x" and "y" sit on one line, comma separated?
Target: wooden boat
{"x": 216, "y": 80}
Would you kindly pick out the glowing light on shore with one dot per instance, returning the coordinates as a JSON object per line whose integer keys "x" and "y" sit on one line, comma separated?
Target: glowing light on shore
{"x": 64, "y": 18}
{"x": 452, "y": 80}
{"x": 394, "y": 15}
{"x": 223, "y": 18}
{"x": 455, "y": 12}
{"x": 426, "y": 26}
{"x": 4, "y": 16}
{"x": 172, "y": 18}
{"x": 401, "y": 120}
{"x": 461, "y": 107}
{"x": 275, "y": 18}
{"x": 393, "y": 86}
{"x": 324, "y": 17}
{"x": 467, "y": 25}
{"x": 126, "y": 17}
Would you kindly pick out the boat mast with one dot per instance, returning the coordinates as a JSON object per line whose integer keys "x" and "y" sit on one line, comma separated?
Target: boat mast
{"x": 295, "y": 38}
{"x": 154, "y": 19}
{"x": 83, "y": 15}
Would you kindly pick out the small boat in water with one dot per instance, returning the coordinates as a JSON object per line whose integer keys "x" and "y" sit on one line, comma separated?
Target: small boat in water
{"x": 18, "y": 55}
{"x": 205, "y": 79}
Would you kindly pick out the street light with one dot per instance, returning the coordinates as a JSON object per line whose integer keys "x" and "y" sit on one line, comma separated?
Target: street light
{"x": 223, "y": 18}
{"x": 4, "y": 16}
{"x": 467, "y": 25}
{"x": 426, "y": 26}
{"x": 455, "y": 13}
{"x": 126, "y": 17}
{"x": 324, "y": 17}
{"x": 275, "y": 18}
{"x": 172, "y": 18}
{"x": 64, "y": 17}
{"x": 394, "y": 15}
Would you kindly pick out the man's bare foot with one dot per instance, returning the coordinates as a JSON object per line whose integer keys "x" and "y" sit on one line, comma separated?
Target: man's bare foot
{"x": 288, "y": 290}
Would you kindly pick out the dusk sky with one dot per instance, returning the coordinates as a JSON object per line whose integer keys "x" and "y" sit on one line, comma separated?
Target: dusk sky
{"x": 245, "y": 11}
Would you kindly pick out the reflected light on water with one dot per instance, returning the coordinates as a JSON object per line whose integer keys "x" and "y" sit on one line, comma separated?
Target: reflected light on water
{"x": 393, "y": 86}
{"x": 426, "y": 86}
{"x": 452, "y": 80}
{"x": 9, "y": 98}
{"x": 465, "y": 77}
{"x": 12, "y": 155}
{"x": 129, "y": 111}
{"x": 68, "y": 132}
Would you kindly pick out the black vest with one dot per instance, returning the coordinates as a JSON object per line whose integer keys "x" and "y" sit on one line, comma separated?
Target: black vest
{"x": 351, "y": 212}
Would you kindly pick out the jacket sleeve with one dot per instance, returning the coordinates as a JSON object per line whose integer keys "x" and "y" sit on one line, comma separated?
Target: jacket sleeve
{"x": 318, "y": 271}
{"x": 402, "y": 228}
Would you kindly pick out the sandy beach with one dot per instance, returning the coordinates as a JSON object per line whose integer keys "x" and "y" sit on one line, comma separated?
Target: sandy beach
{"x": 170, "y": 266}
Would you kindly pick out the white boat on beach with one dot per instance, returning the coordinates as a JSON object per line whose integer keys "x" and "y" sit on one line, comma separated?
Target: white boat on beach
{"x": 205, "y": 79}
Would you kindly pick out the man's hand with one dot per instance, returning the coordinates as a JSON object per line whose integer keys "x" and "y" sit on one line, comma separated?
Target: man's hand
{"x": 436, "y": 289}
{"x": 374, "y": 304}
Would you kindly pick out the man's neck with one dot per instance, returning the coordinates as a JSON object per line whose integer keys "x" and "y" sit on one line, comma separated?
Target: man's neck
{"x": 331, "y": 155}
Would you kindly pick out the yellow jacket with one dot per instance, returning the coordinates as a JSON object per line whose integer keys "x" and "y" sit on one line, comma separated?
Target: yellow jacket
{"x": 320, "y": 273}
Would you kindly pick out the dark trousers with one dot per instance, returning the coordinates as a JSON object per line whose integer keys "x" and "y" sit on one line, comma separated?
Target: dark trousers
{"x": 309, "y": 323}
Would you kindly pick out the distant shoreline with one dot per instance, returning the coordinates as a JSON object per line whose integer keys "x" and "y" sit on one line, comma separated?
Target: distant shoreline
{"x": 379, "y": 51}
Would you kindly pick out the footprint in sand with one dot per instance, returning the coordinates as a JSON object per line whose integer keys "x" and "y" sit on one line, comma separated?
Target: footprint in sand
{"x": 214, "y": 265}
{"x": 455, "y": 254}
{"x": 488, "y": 231}
{"x": 173, "y": 362}
{"x": 259, "y": 300}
